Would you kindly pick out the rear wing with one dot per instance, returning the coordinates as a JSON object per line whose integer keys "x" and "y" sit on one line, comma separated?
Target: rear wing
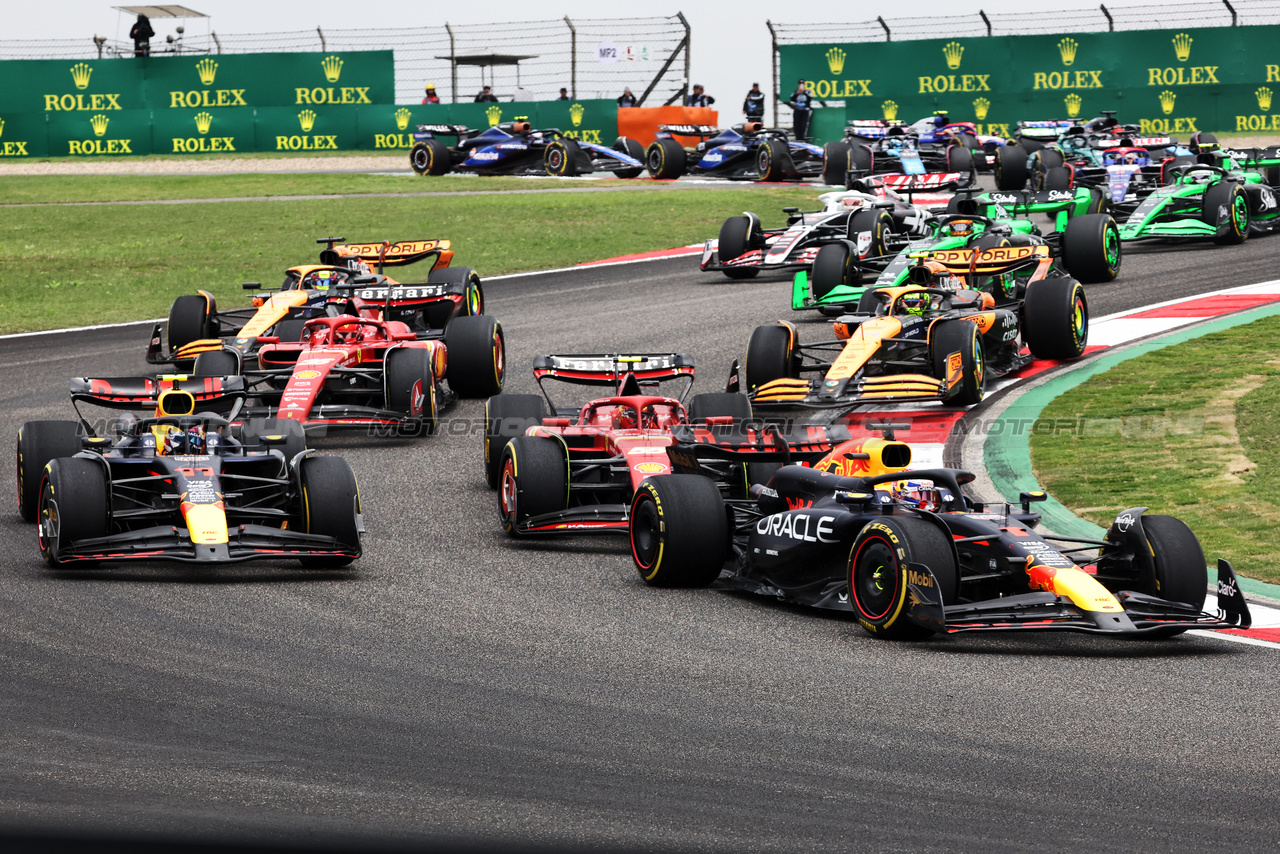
{"x": 751, "y": 442}
{"x": 1063, "y": 204}
{"x": 387, "y": 253}
{"x": 987, "y": 261}
{"x": 1254, "y": 158}
{"x": 690, "y": 130}
{"x": 928, "y": 181}
{"x": 624, "y": 373}
{"x": 1135, "y": 142}
{"x": 1047, "y": 128}
{"x": 215, "y": 394}
{"x": 428, "y": 131}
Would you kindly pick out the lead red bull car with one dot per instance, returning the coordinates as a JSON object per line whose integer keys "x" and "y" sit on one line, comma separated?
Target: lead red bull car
{"x": 180, "y": 484}
{"x": 572, "y": 470}
{"x": 910, "y": 555}
{"x": 196, "y": 325}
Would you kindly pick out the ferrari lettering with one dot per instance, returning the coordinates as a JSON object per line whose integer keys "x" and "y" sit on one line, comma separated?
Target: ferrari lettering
{"x": 1182, "y": 76}
{"x": 208, "y": 98}
{"x": 307, "y": 143}
{"x": 798, "y": 526}
{"x": 1067, "y": 80}
{"x": 400, "y": 293}
{"x": 331, "y": 95}
{"x": 100, "y": 146}
{"x": 199, "y": 145}
{"x": 954, "y": 83}
{"x": 68, "y": 103}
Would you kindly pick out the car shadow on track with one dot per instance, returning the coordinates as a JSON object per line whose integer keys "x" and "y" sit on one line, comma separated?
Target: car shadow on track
{"x": 177, "y": 573}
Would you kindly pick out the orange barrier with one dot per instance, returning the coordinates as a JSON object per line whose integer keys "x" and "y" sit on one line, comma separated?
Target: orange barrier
{"x": 641, "y": 123}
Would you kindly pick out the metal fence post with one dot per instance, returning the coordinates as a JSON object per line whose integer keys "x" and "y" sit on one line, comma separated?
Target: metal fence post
{"x": 887, "y": 35}
{"x": 573, "y": 58}
{"x": 1232, "y": 10}
{"x": 214, "y": 33}
{"x": 985, "y": 20}
{"x": 453, "y": 64}
{"x": 1111, "y": 25}
{"x": 323, "y": 46}
{"x": 773, "y": 37}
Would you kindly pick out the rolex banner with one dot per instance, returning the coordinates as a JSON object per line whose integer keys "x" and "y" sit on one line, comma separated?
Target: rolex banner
{"x": 1173, "y": 81}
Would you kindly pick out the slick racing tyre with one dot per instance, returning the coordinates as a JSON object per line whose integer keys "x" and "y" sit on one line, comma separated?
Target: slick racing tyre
{"x": 1011, "y": 167}
{"x": 216, "y": 363}
{"x": 665, "y": 159}
{"x": 189, "y": 321}
{"x": 534, "y": 480}
{"x": 290, "y": 431}
{"x": 770, "y": 355}
{"x": 289, "y": 330}
{"x": 878, "y": 573}
{"x": 738, "y": 236}
{"x": 1055, "y": 318}
{"x": 429, "y": 157}
{"x": 38, "y": 443}
{"x": 1091, "y": 248}
{"x": 74, "y": 505}
{"x": 1057, "y": 178}
{"x": 476, "y": 355}
{"x": 877, "y": 223}
{"x": 834, "y": 265}
{"x": 679, "y": 531}
{"x": 464, "y": 281}
{"x": 772, "y": 159}
{"x": 330, "y": 506}
{"x": 946, "y": 339}
{"x": 1030, "y": 145}
{"x": 1227, "y": 208}
{"x": 719, "y": 404}
{"x": 507, "y": 416}
{"x": 960, "y": 158}
{"x": 835, "y": 163}
{"x": 561, "y": 157}
{"x": 861, "y": 157}
{"x": 1180, "y": 574}
{"x": 411, "y": 389}
{"x": 635, "y": 151}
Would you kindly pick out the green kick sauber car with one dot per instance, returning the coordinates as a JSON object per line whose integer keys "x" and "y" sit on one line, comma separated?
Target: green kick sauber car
{"x": 1085, "y": 243}
{"x": 1224, "y": 197}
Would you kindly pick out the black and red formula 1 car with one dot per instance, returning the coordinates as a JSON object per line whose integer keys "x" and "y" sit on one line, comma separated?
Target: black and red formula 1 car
{"x": 354, "y": 371}
{"x": 179, "y": 485}
{"x": 910, "y": 555}
{"x": 574, "y": 470}
{"x": 345, "y": 270}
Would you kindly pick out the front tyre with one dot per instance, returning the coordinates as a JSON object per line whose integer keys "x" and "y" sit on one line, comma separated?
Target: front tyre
{"x": 560, "y": 158}
{"x": 189, "y": 321}
{"x": 956, "y": 346}
{"x": 1056, "y": 318}
{"x": 1227, "y": 208}
{"x": 1091, "y": 247}
{"x": 771, "y": 161}
{"x": 878, "y": 573}
{"x": 635, "y": 151}
{"x": 411, "y": 389}
{"x": 835, "y": 163}
{"x": 330, "y": 506}
{"x": 665, "y": 159}
{"x": 834, "y": 265}
{"x": 1011, "y": 167}
{"x": 770, "y": 355}
{"x": 477, "y": 356}
{"x": 679, "y": 531}
{"x": 429, "y": 157}
{"x": 74, "y": 505}
{"x": 1180, "y": 574}
{"x": 534, "y": 480}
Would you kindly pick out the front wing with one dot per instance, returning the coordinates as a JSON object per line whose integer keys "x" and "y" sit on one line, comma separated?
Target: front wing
{"x": 165, "y": 542}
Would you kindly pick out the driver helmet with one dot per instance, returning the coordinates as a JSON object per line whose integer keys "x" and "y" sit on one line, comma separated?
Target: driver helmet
{"x": 319, "y": 280}
{"x": 920, "y": 494}
{"x": 958, "y": 228}
{"x": 1133, "y": 157}
{"x": 179, "y": 441}
{"x": 914, "y": 302}
{"x": 625, "y": 419}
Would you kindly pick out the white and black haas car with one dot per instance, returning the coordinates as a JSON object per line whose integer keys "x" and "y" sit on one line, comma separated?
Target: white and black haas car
{"x": 910, "y": 555}
{"x": 181, "y": 485}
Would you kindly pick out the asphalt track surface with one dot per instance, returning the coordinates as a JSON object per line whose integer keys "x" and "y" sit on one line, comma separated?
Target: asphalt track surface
{"x": 458, "y": 685}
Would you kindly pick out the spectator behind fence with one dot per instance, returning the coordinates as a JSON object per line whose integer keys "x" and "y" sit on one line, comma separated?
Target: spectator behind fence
{"x": 699, "y": 98}
{"x": 753, "y": 106}
{"x": 431, "y": 96}
{"x": 627, "y": 99}
{"x": 486, "y": 96}
{"x": 141, "y": 34}
{"x": 801, "y": 104}
{"x": 564, "y": 94}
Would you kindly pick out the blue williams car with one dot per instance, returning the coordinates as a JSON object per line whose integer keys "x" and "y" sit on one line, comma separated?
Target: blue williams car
{"x": 515, "y": 148}
{"x": 746, "y": 151}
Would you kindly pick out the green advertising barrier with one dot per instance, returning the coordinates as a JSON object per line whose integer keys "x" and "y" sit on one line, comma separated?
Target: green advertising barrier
{"x": 216, "y": 130}
{"x": 71, "y": 86}
{"x": 391, "y": 127}
{"x": 1175, "y": 81}
{"x": 318, "y": 128}
{"x": 109, "y": 133}
{"x": 24, "y": 135}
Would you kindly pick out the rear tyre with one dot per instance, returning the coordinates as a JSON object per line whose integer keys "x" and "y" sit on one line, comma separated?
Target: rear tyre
{"x": 560, "y": 157}
{"x": 1057, "y": 178}
{"x": 411, "y": 389}
{"x": 464, "y": 280}
{"x": 1011, "y": 167}
{"x": 1226, "y": 204}
{"x": 834, "y": 265}
{"x": 665, "y": 159}
{"x": 771, "y": 161}
{"x": 74, "y": 505}
{"x": 1091, "y": 248}
{"x": 39, "y": 442}
{"x": 835, "y": 163}
{"x": 959, "y": 159}
{"x": 295, "y": 437}
{"x": 770, "y": 355}
{"x": 679, "y": 531}
{"x": 739, "y": 235}
{"x": 477, "y": 356}
{"x": 635, "y": 151}
{"x": 188, "y": 321}
{"x": 720, "y": 405}
{"x": 1030, "y": 145}
{"x": 290, "y": 331}
{"x": 861, "y": 157}
{"x": 1056, "y": 318}
{"x": 429, "y": 157}
{"x": 507, "y": 416}
{"x": 534, "y": 480}
{"x": 949, "y": 337}
{"x": 216, "y": 363}
{"x": 878, "y": 223}
{"x": 330, "y": 506}
{"x": 877, "y": 572}
{"x": 1181, "y": 575}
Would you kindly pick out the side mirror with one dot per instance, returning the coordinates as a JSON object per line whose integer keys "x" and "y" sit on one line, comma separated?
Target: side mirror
{"x": 251, "y": 286}
{"x": 1027, "y": 497}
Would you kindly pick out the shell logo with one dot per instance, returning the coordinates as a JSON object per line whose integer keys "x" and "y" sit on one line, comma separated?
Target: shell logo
{"x": 651, "y": 468}
{"x": 307, "y": 375}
